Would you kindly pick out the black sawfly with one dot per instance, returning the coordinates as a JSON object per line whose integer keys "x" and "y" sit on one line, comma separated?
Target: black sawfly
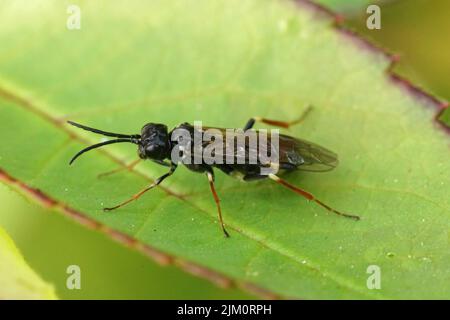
{"x": 154, "y": 143}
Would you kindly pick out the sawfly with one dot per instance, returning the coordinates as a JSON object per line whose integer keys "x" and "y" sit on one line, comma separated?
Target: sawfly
{"x": 156, "y": 143}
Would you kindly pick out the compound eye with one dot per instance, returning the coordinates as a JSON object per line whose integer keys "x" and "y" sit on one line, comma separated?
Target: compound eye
{"x": 150, "y": 138}
{"x": 154, "y": 151}
{"x": 151, "y": 148}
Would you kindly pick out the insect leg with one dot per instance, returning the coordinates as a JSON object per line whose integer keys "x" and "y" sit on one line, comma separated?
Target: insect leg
{"x": 140, "y": 193}
{"x": 277, "y": 123}
{"x": 162, "y": 162}
{"x": 210, "y": 175}
{"x": 309, "y": 196}
{"x": 127, "y": 167}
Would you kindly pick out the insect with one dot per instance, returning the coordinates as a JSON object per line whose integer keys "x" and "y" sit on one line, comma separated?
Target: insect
{"x": 155, "y": 144}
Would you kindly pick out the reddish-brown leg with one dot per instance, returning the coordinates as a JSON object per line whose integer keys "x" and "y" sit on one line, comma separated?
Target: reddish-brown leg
{"x": 217, "y": 200}
{"x": 140, "y": 193}
{"x": 277, "y": 123}
{"x": 127, "y": 167}
{"x": 309, "y": 196}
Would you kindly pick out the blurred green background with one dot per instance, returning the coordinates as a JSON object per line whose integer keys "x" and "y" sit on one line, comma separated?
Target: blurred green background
{"x": 419, "y": 30}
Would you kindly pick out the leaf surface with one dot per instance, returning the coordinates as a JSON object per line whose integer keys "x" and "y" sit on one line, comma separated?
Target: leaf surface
{"x": 223, "y": 62}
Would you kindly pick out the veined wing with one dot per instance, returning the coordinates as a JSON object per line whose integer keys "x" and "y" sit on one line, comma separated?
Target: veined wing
{"x": 307, "y": 155}
{"x": 303, "y": 154}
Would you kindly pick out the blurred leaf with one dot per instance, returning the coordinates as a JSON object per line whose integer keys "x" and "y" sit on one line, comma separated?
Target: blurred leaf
{"x": 33, "y": 228}
{"x": 17, "y": 279}
{"x": 222, "y": 62}
{"x": 445, "y": 117}
{"x": 424, "y": 61}
{"x": 348, "y": 6}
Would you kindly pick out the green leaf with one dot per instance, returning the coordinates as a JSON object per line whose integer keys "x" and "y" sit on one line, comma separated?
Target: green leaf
{"x": 17, "y": 279}
{"x": 222, "y": 62}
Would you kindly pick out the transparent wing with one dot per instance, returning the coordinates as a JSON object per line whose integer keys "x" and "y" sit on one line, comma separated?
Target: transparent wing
{"x": 315, "y": 158}
{"x": 305, "y": 155}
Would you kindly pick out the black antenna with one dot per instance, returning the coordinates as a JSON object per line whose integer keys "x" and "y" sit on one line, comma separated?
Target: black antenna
{"x": 132, "y": 138}
{"x": 108, "y": 134}
{"x": 100, "y": 145}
